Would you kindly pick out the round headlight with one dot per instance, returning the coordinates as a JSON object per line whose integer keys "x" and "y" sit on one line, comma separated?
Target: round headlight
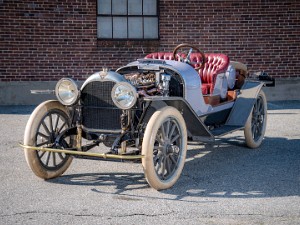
{"x": 124, "y": 95}
{"x": 66, "y": 91}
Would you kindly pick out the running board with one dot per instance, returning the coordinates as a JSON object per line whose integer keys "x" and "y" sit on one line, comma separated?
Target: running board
{"x": 89, "y": 154}
{"x": 226, "y": 129}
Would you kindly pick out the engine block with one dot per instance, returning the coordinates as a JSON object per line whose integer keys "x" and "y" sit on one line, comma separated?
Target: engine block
{"x": 141, "y": 79}
{"x": 147, "y": 84}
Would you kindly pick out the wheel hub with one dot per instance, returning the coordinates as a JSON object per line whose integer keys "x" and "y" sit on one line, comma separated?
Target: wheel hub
{"x": 169, "y": 149}
{"x": 53, "y": 136}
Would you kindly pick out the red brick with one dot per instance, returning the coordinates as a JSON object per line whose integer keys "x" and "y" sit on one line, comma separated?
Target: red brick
{"x": 46, "y": 40}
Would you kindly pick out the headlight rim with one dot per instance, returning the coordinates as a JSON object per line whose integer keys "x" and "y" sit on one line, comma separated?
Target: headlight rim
{"x": 75, "y": 89}
{"x": 131, "y": 89}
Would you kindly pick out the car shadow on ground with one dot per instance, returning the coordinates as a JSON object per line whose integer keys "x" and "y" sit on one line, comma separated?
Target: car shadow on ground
{"x": 226, "y": 169}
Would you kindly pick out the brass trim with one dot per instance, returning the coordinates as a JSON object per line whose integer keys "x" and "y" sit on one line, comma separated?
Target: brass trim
{"x": 92, "y": 154}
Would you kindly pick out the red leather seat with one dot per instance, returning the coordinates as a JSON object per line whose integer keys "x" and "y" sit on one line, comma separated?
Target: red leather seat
{"x": 215, "y": 64}
{"x": 160, "y": 55}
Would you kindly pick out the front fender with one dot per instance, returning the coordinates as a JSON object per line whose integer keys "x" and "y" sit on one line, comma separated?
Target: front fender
{"x": 196, "y": 128}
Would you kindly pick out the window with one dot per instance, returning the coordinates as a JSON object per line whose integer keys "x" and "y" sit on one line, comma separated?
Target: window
{"x": 127, "y": 19}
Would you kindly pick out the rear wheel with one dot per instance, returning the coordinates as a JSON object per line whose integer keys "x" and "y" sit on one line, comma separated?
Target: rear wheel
{"x": 256, "y": 124}
{"x": 46, "y": 122}
{"x": 164, "y": 147}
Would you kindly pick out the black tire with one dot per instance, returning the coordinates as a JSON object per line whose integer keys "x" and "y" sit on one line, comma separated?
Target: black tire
{"x": 48, "y": 120}
{"x": 256, "y": 123}
{"x": 164, "y": 147}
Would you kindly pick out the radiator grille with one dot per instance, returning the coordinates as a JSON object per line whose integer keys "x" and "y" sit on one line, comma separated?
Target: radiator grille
{"x": 99, "y": 111}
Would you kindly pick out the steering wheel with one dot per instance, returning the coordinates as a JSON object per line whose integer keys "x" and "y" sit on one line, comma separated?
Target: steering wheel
{"x": 187, "y": 58}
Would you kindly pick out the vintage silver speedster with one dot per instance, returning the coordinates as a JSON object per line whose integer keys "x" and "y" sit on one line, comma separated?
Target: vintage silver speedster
{"x": 148, "y": 110}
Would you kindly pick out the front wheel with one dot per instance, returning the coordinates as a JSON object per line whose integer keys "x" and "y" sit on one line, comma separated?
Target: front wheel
{"x": 257, "y": 121}
{"x": 46, "y": 122}
{"x": 164, "y": 148}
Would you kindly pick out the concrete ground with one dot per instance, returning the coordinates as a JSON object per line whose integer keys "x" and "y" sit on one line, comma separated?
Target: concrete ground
{"x": 224, "y": 183}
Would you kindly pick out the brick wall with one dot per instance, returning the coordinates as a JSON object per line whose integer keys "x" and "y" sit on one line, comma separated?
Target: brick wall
{"x": 264, "y": 34}
{"x": 46, "y": 40}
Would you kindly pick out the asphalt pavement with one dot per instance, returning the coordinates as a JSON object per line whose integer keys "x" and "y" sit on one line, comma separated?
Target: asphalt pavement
{"x": 223, "y": 183}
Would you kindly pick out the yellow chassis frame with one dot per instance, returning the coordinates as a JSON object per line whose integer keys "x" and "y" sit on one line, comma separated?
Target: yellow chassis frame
{"x": 90, "y": 154}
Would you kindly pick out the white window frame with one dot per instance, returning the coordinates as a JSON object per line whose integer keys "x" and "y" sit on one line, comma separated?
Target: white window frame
{"x": 120, "y": 22}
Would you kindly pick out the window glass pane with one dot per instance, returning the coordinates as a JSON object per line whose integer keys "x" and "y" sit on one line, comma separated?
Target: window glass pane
{"x": 150, "y": 7}
{"x": 120, "y": 27}
{"x": 150, "y": 28}
{"x": 135, "y": 7}
{"x": 104, "y": 27}
{"x": 135, "y": 27}
{"x": 133, "y": 19}
{"x": 119, "y": 7}
{"x": 104, "y": 7}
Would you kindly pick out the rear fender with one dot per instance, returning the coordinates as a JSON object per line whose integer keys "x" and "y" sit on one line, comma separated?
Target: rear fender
{"x": 244, "y": 103}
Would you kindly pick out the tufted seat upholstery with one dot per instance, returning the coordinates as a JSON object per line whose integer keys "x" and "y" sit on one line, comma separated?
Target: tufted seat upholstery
{"x": 160, "y": 55}
{"x": 215, "y": 64}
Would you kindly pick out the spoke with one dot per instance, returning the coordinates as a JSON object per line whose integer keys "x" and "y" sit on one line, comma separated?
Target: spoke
{"x": 180, "y": 58}
{"x": 62, "y": 126}
{"x": 259, "y": 126}
{"x": 43, "y": 135}
{"x": 168, "y": 166}
{"x": 256, "y": 133}
{"x": 189, "y": 53}
{"x": 173, "y": 161}
{"x": 60, "y": 156}
{"x": 261, "y": 121}
{"x": 163, "y": 167}
{"x": 168, "y": 129}
{"x": 257, "y": 119}
{"x": 261, "y": 108}
{"x": 46, "y": 128}
{"x": 163, "y": 133}
{"x": 253, "y": 119}
{"x": 48, "y": 159}
{"x": 158, "y": 164}
{"x": 175, "y": 138}
{"x": 157, "y": 157}
{"x": 159, "y": 140}
{"x": 253, "y": 130}
{"x": 157, "y": 147}
{"x": 56, "y": 122}
{"x": 54, "y": 159}
{"x": 51, "y": 122}
{"x": 172, "y": 130}
{"x": 41, "y": 155}
{"x": 43, "y": 143}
